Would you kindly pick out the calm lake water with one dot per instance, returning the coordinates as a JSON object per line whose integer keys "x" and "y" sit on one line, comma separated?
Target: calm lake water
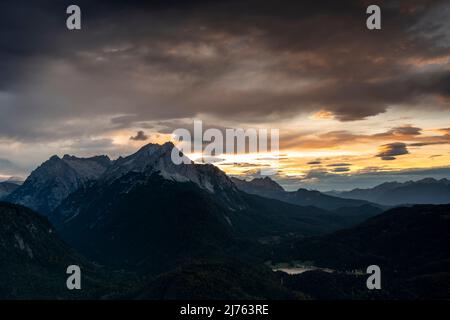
{"x": 299, "y": 269}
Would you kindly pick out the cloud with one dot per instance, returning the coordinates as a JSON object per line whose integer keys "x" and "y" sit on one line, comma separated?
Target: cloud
{"x": 365, "y": 178}
{"x": 346, "y": 137}
{"x": 339, "y": 165}
{"x": 433, "y": 140}
{"x": 4, "y": 163}
{"x": 155, "y": 65}
{"x": 391, "y": 150}
{"x": 232, "y": 60}
{"x": 314, "y": 162}
{"x": 322, "y": 115}
{"x": 445, "y": 131}
{"x": 406, "y": 130}
{"x": 7, "y": 167}
{"x": 429, "y": 143}
{"x": 341, "y": 169}
{"x": 244, "y": 165}
{"x": 140, "y": 136}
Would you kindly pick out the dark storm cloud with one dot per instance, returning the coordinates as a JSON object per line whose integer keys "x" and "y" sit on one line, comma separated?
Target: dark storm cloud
{"x": 391, "y": 150}
{"x": 140, "y": 136}
{"x": 247, "y": 60}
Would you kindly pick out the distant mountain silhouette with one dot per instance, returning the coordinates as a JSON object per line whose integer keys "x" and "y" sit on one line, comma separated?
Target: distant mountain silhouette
{"x": 411, "y": 245}
{"x": 425, "y": 191}
{"x": 145, "y": 212}
{"x": 268, "y": 188}
{"x": 34, "y": 260}
{"x": 55, "y": 179}
{"x": 16, "y": 180}
{"x": 258, "y": 185}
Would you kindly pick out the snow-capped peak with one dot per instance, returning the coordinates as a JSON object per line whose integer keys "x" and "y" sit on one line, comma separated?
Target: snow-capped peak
{"x": 155, "y": 158}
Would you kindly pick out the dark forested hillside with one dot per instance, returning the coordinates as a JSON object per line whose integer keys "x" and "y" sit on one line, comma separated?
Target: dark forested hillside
{"x": 34, "y": 261}
{"x": 411, "y": 245}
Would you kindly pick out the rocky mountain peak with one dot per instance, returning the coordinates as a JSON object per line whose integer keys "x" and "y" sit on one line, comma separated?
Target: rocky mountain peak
{"x": 55, "y": 179}
{"x": 267, "y": 183}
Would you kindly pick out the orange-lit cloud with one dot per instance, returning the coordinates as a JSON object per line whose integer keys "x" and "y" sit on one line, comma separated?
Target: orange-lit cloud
{"x": 322, "y": 115}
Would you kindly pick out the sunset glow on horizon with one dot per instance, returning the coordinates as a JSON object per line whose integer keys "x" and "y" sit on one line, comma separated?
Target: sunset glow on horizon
{"x": 354, "y": 107}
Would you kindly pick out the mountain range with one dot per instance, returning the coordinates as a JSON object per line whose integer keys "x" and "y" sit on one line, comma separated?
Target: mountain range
{"x": 176, "y": 229}
{"x": 266, "y": 187}
{"x": 425, "y": 191}
{"x": 145, "y": 212}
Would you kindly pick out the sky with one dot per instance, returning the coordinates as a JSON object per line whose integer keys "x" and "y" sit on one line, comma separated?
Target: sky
{"x": 355, "y": 107}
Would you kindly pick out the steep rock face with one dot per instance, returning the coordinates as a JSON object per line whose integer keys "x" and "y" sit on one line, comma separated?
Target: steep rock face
{"x": 157, "y": 158}
{"x": 55, "y": 179}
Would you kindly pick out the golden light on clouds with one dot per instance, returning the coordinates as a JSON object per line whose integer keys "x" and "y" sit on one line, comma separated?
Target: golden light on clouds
{"x": 317, "y": 145}
{"x": 322, "y": 115}
{"x": 422, "y": 62}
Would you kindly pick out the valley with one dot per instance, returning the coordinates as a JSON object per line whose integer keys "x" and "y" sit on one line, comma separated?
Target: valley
{"x": 144, "y": 228}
